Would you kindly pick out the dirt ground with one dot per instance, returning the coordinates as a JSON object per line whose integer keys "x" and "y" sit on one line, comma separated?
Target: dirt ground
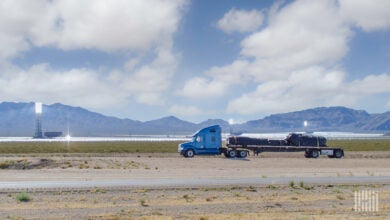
{"x": 268, "y": 202}
{"x": 297, "y": 200}
{"x": 158, "y": 166}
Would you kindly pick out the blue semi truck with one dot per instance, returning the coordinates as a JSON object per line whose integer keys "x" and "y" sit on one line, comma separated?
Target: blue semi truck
{"x": 208, "y": 141}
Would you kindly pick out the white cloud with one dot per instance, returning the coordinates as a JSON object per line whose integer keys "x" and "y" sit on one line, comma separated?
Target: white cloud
{"x": 108, "y": 25}
{"x": 81, "y": 87}
{"x": 371, "y": 84}
{"x": 90, "y": 24}
{"x": 148, "y": 82}
{"x": 295, "y": 58}
{"x": 240, "y": 21}
{"x": 16, "y": 17}
{"x": 201, "y": 88}
{"x": 221, "y": 79}
{"x": 231, "y": 74}
{"x": 181, "y": 110}
{"x": 90, "y": 88}
{"x": 135, "y": 27}
{"x": 369, "y": 15}
{"x": 303, "y": 33}
{"x": 309, "y": 87}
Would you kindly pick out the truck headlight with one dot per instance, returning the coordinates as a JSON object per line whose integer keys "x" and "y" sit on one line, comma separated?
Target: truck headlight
{"x": 179, "y": 148}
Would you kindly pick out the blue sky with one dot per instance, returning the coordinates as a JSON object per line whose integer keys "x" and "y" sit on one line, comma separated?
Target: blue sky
{"x": 196, "y": 60}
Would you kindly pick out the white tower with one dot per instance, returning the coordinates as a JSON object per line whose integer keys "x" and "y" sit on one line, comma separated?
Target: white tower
{"x": 305, "y": 124}
{"x": 38, "y": 122}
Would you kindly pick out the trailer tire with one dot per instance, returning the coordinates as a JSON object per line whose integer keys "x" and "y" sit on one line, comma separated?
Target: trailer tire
{"x": 232, "y": 153}
{"x": 242, "y": 153}
{"x": 314, "y": 153}
{"x": 226, "y": 154}
{"x": 307, "y": 154}
{"x": 189, "y": 153}
{"x": 338, "y": 154}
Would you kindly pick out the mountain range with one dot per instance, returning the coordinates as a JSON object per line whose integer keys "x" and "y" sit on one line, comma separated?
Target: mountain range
{"x": 18, "y": 119}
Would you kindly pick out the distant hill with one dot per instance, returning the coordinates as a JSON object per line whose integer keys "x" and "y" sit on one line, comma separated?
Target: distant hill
{"x": 323, "y": 119}
{"x": 18, "y": 119}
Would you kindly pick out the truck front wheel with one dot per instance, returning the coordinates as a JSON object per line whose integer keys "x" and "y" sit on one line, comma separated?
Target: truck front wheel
{"x": 189, "y": 153}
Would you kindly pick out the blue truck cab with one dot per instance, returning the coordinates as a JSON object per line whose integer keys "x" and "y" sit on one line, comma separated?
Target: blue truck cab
{"x": 207, "y": 141}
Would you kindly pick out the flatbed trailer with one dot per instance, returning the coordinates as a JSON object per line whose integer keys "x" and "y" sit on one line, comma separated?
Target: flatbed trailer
{"x": 208, "y": 141}
{"x": 309, "y": 151}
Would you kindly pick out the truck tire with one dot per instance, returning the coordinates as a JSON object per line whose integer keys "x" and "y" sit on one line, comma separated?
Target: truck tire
{"x": 226, "y": 154}
{"x": 338, "y": 154}
{"x": 307, "y": 154}
{"x": 314, "y": 153}
{"x": 189, "y": 153}
{"x": 232, "y": 153}
{"x": 242, "y": 153}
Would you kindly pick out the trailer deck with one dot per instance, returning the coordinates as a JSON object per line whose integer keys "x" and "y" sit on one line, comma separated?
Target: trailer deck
{"x": 310, "y": 151}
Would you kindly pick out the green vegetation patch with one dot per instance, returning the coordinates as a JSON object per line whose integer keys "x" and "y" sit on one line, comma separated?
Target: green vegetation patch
{"x": 23, "y": 197}
{"x": 89, "y": 147}
{"x": 361, "y": 145}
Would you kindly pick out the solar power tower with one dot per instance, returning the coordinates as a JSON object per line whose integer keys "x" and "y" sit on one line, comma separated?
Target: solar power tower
{"x": 38, "y": 120}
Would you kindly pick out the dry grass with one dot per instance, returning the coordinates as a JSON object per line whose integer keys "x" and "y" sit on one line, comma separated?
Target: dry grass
{"x": 361, "y": 145}
{"x": 151, "y": 147}
{"x": 88, "y": 147}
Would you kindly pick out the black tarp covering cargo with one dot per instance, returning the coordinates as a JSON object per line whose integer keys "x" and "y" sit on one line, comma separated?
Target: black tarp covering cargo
{"x": 295, "y": 139}
{"x": 277, "y": 142}
{"x": 244, "y": 141}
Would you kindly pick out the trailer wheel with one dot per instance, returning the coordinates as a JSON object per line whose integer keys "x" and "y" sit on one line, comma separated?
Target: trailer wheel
{"x": 243, "y": 153}
{"x": 189, "y": 153}
{"x": 232, "y": 153}
{"x": 338, "y": 153}
{"x": 307, "y": 154}
{"x": 226, "y": 154}
{"x": 314, "y": 153}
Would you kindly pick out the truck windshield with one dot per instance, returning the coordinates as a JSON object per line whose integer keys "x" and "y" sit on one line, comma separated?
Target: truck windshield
{"x": 196, "y": 139}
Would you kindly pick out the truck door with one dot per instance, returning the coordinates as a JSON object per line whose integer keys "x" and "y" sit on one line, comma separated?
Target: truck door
{"x": 201, "y": 144}
{"x": 212, "y": 141}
